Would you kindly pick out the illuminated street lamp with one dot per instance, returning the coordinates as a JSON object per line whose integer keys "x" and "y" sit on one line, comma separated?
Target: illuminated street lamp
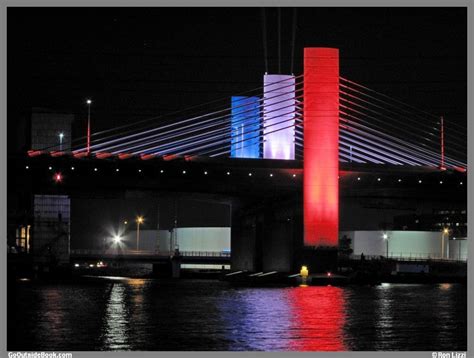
{"x": 444, "y": 233}
{"x": 61, "y": 136}
{"x": 89, "y": 102}
{"x": 139, "y": 221}
{"x": 385, "y": 237}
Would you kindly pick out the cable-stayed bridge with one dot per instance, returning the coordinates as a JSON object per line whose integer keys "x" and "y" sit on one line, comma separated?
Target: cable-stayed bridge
{"x": 318, "y": 122}
{"x": 374, "y": 128}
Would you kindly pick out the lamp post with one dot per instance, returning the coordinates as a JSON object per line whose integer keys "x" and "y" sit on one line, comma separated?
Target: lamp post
{"x": 139, "y": 221}
{"x": 385, "y": 237}
{"x": 61, "y": 136}
{"x": 459, "y": 250}
{"x": 89, "y": 102}
{"x": 445, "y": 232}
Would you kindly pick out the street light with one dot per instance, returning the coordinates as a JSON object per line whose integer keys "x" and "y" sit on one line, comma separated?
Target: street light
{"x": 139, "y": 220}
{"x": 385, "y": 237}
{"x": 61, "y": 136}
{"x": 445, "y": 232}
{"x": 89, "y": 102}
{"x": 117, "y": 239}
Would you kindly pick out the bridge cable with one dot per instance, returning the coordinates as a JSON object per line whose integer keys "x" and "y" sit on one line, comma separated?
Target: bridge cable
{"x": 185, "y": 121}
{"x": 134, "y": 124}
{"x": 400, "y": 125}
{"x": 207, "y": 133}
{"x": 121, "y": 136}
{"x": 394, "y": 99}
{"x": 226, "y": 128}
{"x": 393, "y": 105}
{"x": 381, "y": 133}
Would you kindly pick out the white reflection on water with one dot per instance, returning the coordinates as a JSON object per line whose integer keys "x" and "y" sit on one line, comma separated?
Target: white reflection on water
{"x": 116, "y": 323}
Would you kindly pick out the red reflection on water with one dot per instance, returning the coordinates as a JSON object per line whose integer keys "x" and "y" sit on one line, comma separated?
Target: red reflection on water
{"x": 318, "y": 318}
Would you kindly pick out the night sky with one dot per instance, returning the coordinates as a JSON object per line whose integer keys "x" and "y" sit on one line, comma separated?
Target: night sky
{"x": 136, "y": 63}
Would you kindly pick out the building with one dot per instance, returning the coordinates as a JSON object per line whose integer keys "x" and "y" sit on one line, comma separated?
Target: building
{"x": 406, "y": 244}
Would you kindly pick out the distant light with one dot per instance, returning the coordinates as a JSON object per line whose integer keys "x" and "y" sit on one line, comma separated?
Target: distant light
{"x": 460, "y": 183}
{"x": 140, "y": 219}
{"x": 329, "y": 274}
{"x": 419, "y": 181}
{"x": 117, "y": 239}
{"x": 58, "y": 177}
{"x": 294, "y": 175}
{"x": 271, "y": 174}
{"x": 228, "y": 173}
{"x": 457, "y": 224}
{"x": 358, "y": 178}
{"x": 454, "y": 238}
{"x": 446, "y": 231}
{"x": 27, "y": 167}
{"x": 61, "y": 135}
{"x": 76, "y": 265}
{"x": 205, "y": 173}
{"x": 378, "y": 179}
{"x": 95, "y": 169}
{"x": 50, "y": 168}
{"x": 304, "y": 271}
{"x": 125, "y": 222}
{"x": 250, "y": 174}
{"x": 441, "y": 182}
{"x": 88, "y": 101}
{"x": 91, "y": 265}
{"x": 117, "y": 170}
{"x": 139, "y": 170}
{"x": 399, "y": 180}
{"x": 385, "y": 236}
{"x": 72, "y": 168}
{"x": 184, "y": 171}
{"x": 162, "y": 171}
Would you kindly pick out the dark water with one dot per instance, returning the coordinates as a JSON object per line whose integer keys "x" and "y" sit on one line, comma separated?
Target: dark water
{"x": 138, "y": 314}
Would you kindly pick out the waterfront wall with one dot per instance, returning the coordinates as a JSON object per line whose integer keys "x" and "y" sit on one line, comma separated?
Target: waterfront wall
{"x": 405, "y": 244}
{"x": 187, "y": 239}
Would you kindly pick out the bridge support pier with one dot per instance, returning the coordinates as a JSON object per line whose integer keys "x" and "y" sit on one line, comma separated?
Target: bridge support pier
{"x": 321, "y": 147}
{"x": 265, "y": 235}
{"x": 169, "y": 268}
{"x": 175, "y": 267}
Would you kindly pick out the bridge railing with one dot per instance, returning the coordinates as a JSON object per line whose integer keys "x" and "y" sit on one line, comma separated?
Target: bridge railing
{"x": 409, "y": 257}
{"x": 99, "y": 252}
{"x": 205, "y": 253}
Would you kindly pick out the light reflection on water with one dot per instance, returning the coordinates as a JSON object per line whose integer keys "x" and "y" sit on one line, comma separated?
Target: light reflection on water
{"x": 116, "y": 323}
{"x": 137, "y": 314}
{"x": 318, "y": 316}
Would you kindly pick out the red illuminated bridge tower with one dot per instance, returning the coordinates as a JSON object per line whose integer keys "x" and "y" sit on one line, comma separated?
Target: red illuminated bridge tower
{"x": 321, "y": 147}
